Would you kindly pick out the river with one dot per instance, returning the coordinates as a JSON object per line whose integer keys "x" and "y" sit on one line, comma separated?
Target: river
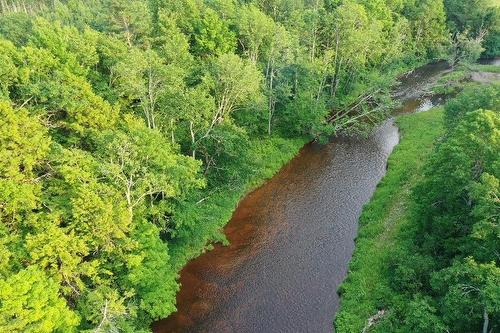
{"x": 292, "y": 239}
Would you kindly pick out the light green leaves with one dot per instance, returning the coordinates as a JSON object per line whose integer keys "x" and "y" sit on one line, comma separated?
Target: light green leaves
{"x": 140, "y": 170}
{"x": 212, "y": 36}
{"x": 30, "y": 303}
{"x": 24, "y": 145}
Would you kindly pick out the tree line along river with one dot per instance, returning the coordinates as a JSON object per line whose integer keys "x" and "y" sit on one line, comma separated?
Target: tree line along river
{"x": 291, "y": 240}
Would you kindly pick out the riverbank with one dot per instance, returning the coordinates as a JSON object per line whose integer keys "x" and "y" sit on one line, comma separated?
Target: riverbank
{"x": 216, "y": 205}
{"x": 267, "y": 157}
{"x": 453, "y": 82}
{"x": 294, "y": 233}
{"x": 383, "y": 218}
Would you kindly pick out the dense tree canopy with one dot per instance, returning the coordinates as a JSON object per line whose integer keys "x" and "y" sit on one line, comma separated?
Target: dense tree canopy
{"x": 479, "y": 19}
{"x": 127, "y": 128}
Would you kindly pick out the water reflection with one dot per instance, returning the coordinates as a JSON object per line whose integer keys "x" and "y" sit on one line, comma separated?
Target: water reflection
{"x": 292, "y": 239}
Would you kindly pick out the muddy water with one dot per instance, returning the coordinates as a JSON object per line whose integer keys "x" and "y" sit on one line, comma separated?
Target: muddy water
{"x": 292, "y": 239}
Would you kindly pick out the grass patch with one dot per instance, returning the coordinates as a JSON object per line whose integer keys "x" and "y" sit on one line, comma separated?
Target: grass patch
{"x": 485, "y": 68}
{"x": 366, "y": 288}
{"x": 215, "y": 207}
{"x": 452, "y": 82}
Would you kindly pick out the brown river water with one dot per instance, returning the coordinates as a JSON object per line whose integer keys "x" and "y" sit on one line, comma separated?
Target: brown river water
{"x": 292, "y": 239}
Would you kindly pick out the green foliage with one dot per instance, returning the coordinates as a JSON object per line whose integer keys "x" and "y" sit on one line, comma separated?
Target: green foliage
{"x": 479, "y": 18}
{"x": 8, "y": 71}
{"x": 367, "y": 289}
{"x": 139, "y": 170}
{"x": 152, "y": 275}
{"x": 171, "y": 43}
{"x": 429, "y": 258}
{"x": 451, "y": 83}
{"x": 234, "y": 82}
{"x": 464, "y": 50}
{"x": 131, "y": 20}
{"x": 471, "y": 99}
{"x": 254, "y": 31}
{"x": 469, "y": 287}
{"x": 212, "y": 36}
{"x": 30, "y": 302}
{"x": 469, "y": 152}
{"x": 306, "y": 116}
{"x": 130, "y": 130}
{"x": 24, "y": 144}
{"x": 429, "y": 24}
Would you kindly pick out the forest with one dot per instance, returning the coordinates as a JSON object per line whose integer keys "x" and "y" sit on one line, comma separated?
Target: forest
{"x": 437, "y": 267}
{"x": 129, "y": 130}
{"x": 427, "y": 255}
